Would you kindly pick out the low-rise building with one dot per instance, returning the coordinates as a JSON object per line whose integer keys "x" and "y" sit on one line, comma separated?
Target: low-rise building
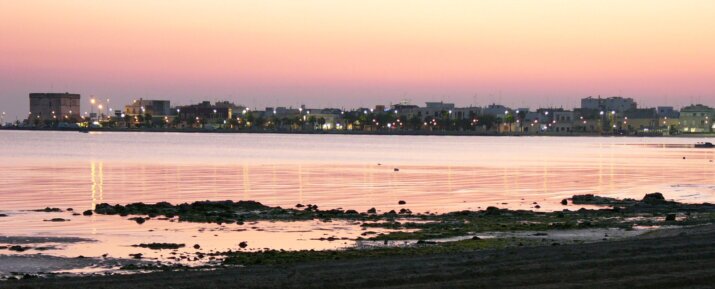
{"x": 146, "y": 106}
{"x": 204, "y": 112}
{"x": 696, "y": 119}
{"x": 616, "y": 103}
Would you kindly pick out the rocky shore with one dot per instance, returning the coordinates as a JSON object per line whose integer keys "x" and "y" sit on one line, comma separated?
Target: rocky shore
{"x": 671, "y": 258}
{"x": 465, "y": 248}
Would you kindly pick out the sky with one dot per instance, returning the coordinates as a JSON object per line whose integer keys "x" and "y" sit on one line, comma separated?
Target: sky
{"x": 350, "y": 53}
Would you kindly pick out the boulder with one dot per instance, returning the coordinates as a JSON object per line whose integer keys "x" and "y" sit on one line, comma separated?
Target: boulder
{"x": 653, "y": 198}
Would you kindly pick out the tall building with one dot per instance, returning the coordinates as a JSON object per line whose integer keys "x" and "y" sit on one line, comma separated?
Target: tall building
{"x": 54, "y": 106}
{"x": 616, "y": 103}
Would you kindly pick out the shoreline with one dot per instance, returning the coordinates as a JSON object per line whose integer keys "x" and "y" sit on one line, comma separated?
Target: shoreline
{"x": 345, "y": 132}
{"x": 423, "y": 240}
{"x": 673, "y": 258}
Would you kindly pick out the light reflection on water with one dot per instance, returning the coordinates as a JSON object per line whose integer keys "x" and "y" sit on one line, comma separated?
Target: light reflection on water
{"x": 437, "y": 174}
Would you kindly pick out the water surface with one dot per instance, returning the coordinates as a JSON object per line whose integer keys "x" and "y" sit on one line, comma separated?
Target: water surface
{"x": 430, "y": 173}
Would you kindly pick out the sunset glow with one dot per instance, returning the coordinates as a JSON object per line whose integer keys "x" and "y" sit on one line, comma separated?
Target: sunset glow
{"x": 329, "y": 53}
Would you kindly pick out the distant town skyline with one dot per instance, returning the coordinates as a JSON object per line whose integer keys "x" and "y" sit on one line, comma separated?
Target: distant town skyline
{"x": 358, "y": 53}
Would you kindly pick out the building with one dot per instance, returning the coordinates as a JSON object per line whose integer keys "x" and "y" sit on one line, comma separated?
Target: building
{"x": 152, "y": 107}
{"x": 696, "y": 118}
{"x": 668, "y": 112}
{"x": 640, "y": 120}
{"x": 562, "y": 122}
{"x": 497, "y": 110}
{"x": 54, "y": 106}
{"x": 616, "y": 103}
{"x": 204, "y": 112}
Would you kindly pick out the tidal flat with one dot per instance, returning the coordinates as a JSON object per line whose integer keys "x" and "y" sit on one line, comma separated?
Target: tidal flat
{"x": 379, "y": 234}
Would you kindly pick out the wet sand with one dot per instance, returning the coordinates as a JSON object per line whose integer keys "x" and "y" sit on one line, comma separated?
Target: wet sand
{"x": 672, "y": 258}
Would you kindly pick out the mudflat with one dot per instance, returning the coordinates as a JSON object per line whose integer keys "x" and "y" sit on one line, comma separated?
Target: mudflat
{"x": 672, "y": 258}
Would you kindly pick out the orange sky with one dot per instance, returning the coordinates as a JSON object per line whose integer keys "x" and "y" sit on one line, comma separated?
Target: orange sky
{"x": 349, "y": 52}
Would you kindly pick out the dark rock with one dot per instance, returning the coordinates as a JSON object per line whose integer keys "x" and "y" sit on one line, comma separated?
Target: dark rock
{"x": 139, "y": 220}
{"x": 57, "y": 220}
{"x": 493, "y": 211}
{"x": 243, "y": 244}
{"x": 3, "y": 215}
{"x": 537, "y": 207}
{"x": 160, "y": 246}
{"x": 197, "y": 246}
{"x": 476, "y": 238}
{"x": 564, "y": 202}
{"x": 137, "y": 255}
{"x": 87, "y": 213}
{"x": 372, "y": 211}
{"x": 70, "y": 209}
{"x": 401, "y": 202}
{"x": 299, "y": 206}
{"x": 17, "y": 248}
{"x": 670, "y": 217}
{"x": 49, "y": 210}
{"x": 353, "y": 212}
{"x": 396, "y": 169}
{"x": 654, "y": 198}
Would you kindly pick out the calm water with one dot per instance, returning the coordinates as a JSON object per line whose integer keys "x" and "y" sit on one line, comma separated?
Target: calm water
{"x": 436, "y": 173}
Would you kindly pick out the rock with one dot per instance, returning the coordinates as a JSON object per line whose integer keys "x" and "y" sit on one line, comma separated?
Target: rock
{"x": 160, "y": 246}
{"x": 476, "y": 238}
{"x": 3, "y": 215}
{"x": 243, "y": 244}
{"x": 537, "y": 207}
{"x": 57, "y": 220}
{"x": 17, "y": 248}
{"x": 372, "y": 211}
{"x": 49, "y": 210}
{"x": 492, "y": 211}
{"x": 405, "y": 212}
{"x": 139, "y": 220}
{"x": 670, "y": 217}
{"x": 653, "y": 198}
{"x": 299, "y": 206}
{"x": 137, "y": 255}
{"x": 197, "y": 246}
{"x": 87, "y": 213}
{"x": 70, "y": 209}
{"x": 396, "y": 169}
{"x": 401, "y": 202}
{"x": 351, "y": 212}
{"x": 564, "y": 202}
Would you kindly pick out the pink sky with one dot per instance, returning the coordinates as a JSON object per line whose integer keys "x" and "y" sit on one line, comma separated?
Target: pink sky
{"x": 350, "y": 53}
